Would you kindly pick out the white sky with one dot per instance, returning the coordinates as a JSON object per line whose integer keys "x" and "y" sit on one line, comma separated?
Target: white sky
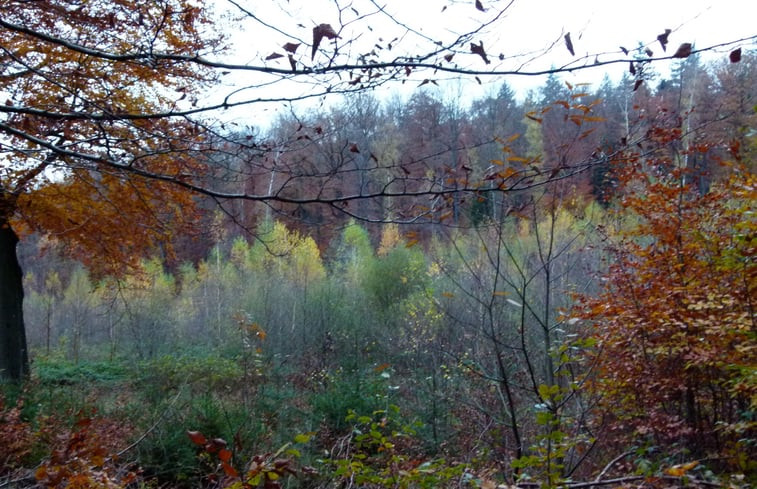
{"x": 529, "y": 26}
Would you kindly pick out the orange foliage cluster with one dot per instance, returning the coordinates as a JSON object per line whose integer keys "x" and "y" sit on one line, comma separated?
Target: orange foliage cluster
{"x": 85, "y": 457}
{"x": 675, "y": 323}
{"x": 89, "y": 89}
{"x": 17, "y": 437}
{"x": 80, "y": 457}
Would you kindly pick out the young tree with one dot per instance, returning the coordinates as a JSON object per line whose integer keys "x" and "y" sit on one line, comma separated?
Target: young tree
{"x": 675, "y": 321}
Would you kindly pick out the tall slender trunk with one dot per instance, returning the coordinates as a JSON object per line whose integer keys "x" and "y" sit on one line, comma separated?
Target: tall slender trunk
{"x": 14, "y": 359}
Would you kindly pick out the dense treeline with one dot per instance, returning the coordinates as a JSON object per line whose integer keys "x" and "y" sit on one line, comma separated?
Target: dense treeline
{"x": 534, "y": 335}
{"x": 365, "y": 145}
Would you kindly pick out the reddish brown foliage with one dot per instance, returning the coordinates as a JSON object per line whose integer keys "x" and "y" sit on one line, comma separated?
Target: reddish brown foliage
{"x": 675, "y": 323}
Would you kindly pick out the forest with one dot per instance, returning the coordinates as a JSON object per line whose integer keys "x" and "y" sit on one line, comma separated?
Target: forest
{"x": 553, "y": 290}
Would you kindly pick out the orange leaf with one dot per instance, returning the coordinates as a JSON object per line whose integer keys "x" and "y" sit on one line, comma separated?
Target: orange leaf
{"x": 224, "y": 455}
{"x": 382, "y": 367}
{"x": 197, "y": 437}
{"x": 229, "y": 470}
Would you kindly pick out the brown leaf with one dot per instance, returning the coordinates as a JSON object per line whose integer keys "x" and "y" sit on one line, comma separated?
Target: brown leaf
{"x": 569, "y": 44}
{"x": 291, "y": 47}
{"x": 354, "y": 148}
{"x": 632, "y": 68}
{"x": 625, "y": 51}
{"x": 663, "y": 38}
{"x": 637, "y": 84}
{"x": 274, "y": 56}
{"x": 319, "y": 32}
{"x": 449, "y": 57}
{"x": 683, "y": 51}
{"x": 480, "y": 6}
{"x": 292, "y": 63}
{"x": 479, "y": 49}
{"x": 649, "y": 52}
{"x": 735, "y": 55}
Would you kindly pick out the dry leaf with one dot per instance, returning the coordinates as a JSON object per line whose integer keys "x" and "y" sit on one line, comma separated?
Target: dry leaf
{"x": 319, "y": 32}
{"x": 683, "y": 51}
{"x": 480, "y": 6}
{"x": 663, "y": 38}
{"x": 569, "y": 44}
{"x": 735, "y": 55}
{"x": 291, "y": 47}
{"x": 479, "y": 49}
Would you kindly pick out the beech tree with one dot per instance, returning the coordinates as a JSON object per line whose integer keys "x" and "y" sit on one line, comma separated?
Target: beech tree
{"x": 107, "y": 126}
{"x": 674, "y": 320}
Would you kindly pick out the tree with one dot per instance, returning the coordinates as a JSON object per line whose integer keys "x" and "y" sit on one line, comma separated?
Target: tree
{"x": 77, "y": 139}
{"x": 675, "y": 320}
{"x": 102, "y": 140}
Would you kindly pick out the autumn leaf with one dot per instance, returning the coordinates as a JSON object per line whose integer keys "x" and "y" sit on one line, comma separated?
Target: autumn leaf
{"x": 683, "y": 51}
{"x": 479, "y": 49}
{"x": 735, "y": 55}
{"x": 224, "y": 455}
{"x": 273, "y": 56}
{"x": 291, "y": 47}
{"x": 197, "y": 437}
{"x": 569, "y": 44}
{"x": 319, "y": 32}
{"x": 637, "y": 84}
{"x": 680, "y": 470}
{"x": 382, "y": 367}
{"x": 480, "y": 6}
{"x": 229, "y": 470}
{"x": 663, "y": 38}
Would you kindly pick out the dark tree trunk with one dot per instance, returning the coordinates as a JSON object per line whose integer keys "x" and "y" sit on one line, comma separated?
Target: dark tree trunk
{"x": 14, "y": 359}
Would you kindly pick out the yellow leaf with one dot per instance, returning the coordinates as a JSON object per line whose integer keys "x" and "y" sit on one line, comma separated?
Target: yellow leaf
{"x": 680, "y": 470}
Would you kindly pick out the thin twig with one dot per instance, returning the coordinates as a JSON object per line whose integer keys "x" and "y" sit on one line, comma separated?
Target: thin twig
{"x": 612, "y": 462}
{"x": 151, "y": 428}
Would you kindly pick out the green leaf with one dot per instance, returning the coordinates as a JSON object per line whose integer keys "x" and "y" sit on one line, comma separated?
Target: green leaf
{"x": 302, "y": 438}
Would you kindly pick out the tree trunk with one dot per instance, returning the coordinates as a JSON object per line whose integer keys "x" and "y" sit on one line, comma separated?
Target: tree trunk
{"x": 14, "y": 358}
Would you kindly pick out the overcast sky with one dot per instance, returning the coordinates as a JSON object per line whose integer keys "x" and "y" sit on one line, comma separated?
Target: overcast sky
{"x": 528, "y": 28}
